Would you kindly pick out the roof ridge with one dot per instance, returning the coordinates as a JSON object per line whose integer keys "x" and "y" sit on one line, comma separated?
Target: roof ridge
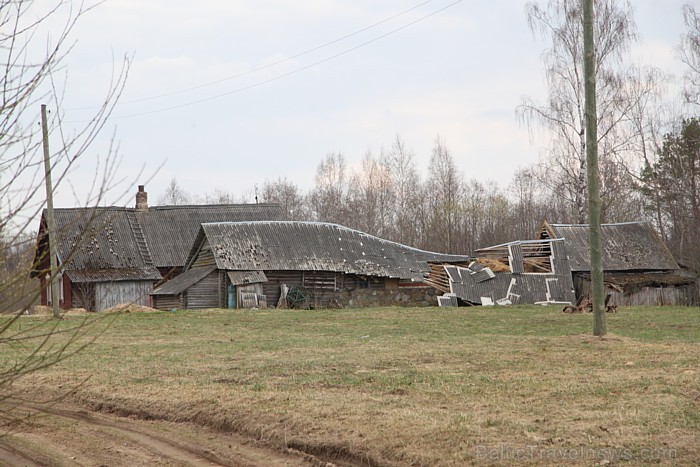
{"x": 608, "y": 224}
{"x": 331, "y": 224}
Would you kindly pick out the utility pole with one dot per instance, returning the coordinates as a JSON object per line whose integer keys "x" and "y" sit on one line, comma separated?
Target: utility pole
{"x": 594, "y": 234}
{"x": 51, "y": 224}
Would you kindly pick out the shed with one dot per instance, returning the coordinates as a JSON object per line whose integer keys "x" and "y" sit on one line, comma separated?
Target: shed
{"x": 320, "y": 264}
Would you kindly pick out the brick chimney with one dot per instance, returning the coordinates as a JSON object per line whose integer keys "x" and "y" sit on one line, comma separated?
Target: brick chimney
{"x": 141, "y": 199}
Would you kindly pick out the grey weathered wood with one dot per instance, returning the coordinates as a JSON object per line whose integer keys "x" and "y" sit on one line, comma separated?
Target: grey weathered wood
{"x": 108, "y": 294}
{"x": 205, "y": 293}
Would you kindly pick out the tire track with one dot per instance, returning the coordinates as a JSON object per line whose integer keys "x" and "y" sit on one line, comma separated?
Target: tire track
{"x": 169, "y": 448}
{"x": 11, "y": 456}
{"x": 65, "y": 434}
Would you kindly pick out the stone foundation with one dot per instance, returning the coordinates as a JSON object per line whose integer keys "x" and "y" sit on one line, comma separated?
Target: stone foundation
{"x": 400, "y": 296}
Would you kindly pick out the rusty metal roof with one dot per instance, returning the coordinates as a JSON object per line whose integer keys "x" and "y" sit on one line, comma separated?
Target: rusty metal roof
{"x": 106, "y": 238}
{"x": 312, "y": 246}
{"x": 630, "y": 246}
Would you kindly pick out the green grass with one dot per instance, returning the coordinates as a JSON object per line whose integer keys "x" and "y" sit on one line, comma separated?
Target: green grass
{"x": 406, "y": 385}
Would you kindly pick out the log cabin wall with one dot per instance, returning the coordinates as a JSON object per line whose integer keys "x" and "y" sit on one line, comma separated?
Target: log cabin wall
{"x": 169, "y": 302}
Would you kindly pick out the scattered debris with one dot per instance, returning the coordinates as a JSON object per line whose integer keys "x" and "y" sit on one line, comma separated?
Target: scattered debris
{"x": 519, "y": 272}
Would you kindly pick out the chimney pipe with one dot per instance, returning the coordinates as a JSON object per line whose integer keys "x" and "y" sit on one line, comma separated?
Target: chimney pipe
{"x": 141, "y": 199}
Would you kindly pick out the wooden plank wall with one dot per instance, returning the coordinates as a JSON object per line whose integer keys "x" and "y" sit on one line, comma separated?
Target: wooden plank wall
{"x": 271, "y": 288}
{"x": 654, "y": 296}
{"x": 108, "y": 294}
{"x": 205, "y": 293}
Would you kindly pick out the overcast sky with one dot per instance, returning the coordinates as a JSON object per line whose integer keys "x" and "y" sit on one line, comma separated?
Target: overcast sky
{"x": 283, "y": 83}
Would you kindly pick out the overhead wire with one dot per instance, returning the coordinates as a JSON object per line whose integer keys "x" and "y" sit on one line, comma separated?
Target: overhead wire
{"x": 264, "y": 67}
{"x": 284, "y": 75}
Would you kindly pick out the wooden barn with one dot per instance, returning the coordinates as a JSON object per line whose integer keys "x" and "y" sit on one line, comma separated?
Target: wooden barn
{"x": 113, "y": 255}
{"x": 519, "y": 272}
{"x": 304, "y": 264}
{"x": 638, "y": 268}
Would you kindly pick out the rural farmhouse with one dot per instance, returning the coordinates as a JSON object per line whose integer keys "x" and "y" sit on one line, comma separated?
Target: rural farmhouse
{"x": 112, "y": 255}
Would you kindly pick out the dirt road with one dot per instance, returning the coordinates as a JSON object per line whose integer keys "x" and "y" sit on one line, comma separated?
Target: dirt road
{"x": 64, "y": 434}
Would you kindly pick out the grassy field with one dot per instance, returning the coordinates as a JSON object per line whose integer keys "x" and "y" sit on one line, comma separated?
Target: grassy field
{"x": 397, "y": 386}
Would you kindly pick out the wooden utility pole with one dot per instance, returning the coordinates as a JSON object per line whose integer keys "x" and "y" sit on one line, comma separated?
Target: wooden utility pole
{"x": 594, "y": 238}
{"x": 50, "y": 223}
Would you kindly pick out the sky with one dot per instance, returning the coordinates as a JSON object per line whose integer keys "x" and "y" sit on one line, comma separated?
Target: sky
{"x": 225, "y": 94}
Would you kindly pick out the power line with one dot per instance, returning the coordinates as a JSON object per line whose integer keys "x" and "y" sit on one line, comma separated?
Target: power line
{"x": 284, "y": 75}
{"x": 269, "y": 65}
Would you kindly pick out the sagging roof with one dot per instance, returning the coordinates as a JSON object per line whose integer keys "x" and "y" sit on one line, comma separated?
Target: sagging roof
{"x": 630, "y": 246}
{"x": 312, "y": 246}
{"x": 124, "y": 239}
{"x": 180, "y": 283}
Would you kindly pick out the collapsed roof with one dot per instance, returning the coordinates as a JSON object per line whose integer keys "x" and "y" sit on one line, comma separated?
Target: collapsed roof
{"x": 629, "y": 246}
{"x": 311, "y": 246}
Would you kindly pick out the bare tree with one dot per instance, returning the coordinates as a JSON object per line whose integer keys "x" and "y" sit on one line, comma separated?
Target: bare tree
{"x": 371, "y": 198}
{"x": 175, "y": 195}
{"x": 690, "y": 54}
{"x": 528, "y": 203}
{"x": 620, "y": 90}
{"x": 329, "y": 197}
{"x": 445, "y": 189}
{"x": 406, "y": 184}
{"x": 286, "y": 194}
{"x": 32, "y": 76}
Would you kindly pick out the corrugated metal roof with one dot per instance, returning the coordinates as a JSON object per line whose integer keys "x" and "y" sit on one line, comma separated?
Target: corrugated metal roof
{"x": 312, "y": 246}
{"x": 171, "y": 230}
{"x": 630, "y": 246}
{"x": 113, "y": 275}
{"x": 183, "y": 281}
{"x": 102, "y": 238}
{"x": 96, "y": 239}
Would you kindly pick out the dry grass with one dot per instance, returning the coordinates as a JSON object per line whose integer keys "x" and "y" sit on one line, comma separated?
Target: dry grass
{"x": 494, "y": 264}
{"x": 129, "y": 308}
{"x": 410, "y": 386}
{"x": 43, "y": 310}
